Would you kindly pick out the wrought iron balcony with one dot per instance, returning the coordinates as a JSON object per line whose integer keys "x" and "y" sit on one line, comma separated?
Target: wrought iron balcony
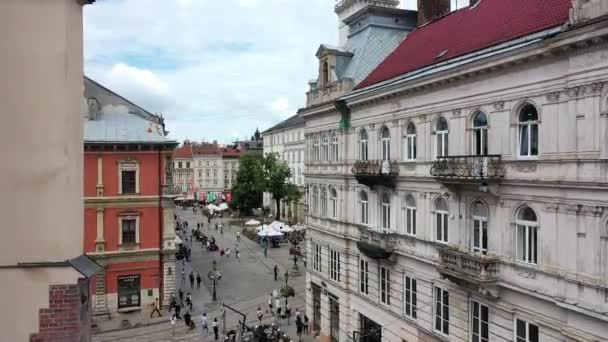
{"x": 376, "y": 172}
{"x": 473, "y": 168}
{"x": 476, "y": 269}
{"x": 376, "y": 243}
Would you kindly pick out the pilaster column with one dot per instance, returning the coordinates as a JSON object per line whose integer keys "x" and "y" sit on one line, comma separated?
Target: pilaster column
{"x": 99, "y": 175}
{"x": 99, "y": 241}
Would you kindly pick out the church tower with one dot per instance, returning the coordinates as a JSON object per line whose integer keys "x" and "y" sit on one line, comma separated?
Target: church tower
{"x": 346, "y": 8}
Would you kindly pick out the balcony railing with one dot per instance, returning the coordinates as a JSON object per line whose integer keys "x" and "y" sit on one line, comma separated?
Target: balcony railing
{"x": 472, "y": 268}
{"x": 376, "y": 243}
{"x": 329, "y": 92}
{"x": 376, "y": 172}
{"x": 476, "y": 168}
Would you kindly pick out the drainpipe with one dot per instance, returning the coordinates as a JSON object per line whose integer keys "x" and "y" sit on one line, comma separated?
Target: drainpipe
{"x": 160, "y": 227}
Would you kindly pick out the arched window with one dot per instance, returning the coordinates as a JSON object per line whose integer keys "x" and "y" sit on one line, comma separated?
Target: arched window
{"x": 527, "y": 235}
{"x": 441, "y": 130}
{"x": 410, "y": 142}
{"x": 386, "y": 144}
{"x": 363, "y": 145}
{"x": 325, "y": 74}
{"x": 315, "y": 200}
{"x": 480, "y": 134}
{"x": 410, "y": 215}
{"x": 363, "y": 208}
{"x": 480, "y": 216}
{"x": 325, "y": 148}
{"x": 334, "y": 147}
{"x": 324, "y": 202}
{"x": 334, "y": 203}
{"x": 386, "y": 211}
{"x": 315, "y": 149}
{"x": 528, "y": 131}
{"x": 441, "y": 220}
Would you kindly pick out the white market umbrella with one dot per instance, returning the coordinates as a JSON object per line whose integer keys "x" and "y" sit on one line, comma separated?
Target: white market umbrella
{"x": 178, "y": 240}
{"x": 286, "y": 229}
{"x": 298, "y": 227}
{"x": 263, "y": 227}
{"x": 222, "y": 207}
{"x": 213, "y": 207}
{"x": 253, "y": 223}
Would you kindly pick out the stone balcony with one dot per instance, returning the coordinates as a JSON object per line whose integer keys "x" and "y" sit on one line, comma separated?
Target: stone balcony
{"x": 376, "y": 243}
{"x": 476, "y": 169}
{"x": 376, "y": 172}
{"x": 330, "y": 92}
{"x": 474, "y": 269}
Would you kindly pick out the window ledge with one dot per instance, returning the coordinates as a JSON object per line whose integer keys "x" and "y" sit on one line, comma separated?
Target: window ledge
{"x": 130, "y": 194}
{"x": 128, "y": 246}
{"x": 130, "y": 309}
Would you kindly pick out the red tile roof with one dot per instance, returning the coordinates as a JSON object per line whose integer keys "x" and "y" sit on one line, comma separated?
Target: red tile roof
{"x": 183, "y": 152}
{"x": 206, "y": 149}
{"x": 229, "y": 152}
{"x": 467, "y": 30}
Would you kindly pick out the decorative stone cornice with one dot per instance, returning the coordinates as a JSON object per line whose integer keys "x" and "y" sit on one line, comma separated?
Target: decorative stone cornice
{"x": 456, "y": 113}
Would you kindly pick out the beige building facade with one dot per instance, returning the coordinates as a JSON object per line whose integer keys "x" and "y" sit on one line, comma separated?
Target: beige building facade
{"x": 469, "y": 199}
{"x": 286, "y": 139}
{"x": 42, "y": 72}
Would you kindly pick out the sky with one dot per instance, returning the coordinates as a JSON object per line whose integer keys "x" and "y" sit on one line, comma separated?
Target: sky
{"x": 215, "y": 69}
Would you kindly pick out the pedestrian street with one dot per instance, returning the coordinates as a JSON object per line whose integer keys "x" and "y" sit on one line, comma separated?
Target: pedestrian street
{"x": 245, "y": 285}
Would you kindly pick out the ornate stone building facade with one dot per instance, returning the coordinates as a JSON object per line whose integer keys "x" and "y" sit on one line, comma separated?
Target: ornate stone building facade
{"x": 469, "y": 197}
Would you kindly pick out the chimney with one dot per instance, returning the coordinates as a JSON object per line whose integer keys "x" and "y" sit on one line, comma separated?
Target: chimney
{"x": 429, "y": 10}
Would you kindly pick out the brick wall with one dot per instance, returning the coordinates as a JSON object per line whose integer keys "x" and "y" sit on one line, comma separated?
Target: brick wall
{"x": 68, "y": 317}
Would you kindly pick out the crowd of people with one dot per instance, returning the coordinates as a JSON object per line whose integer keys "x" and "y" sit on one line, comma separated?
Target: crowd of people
{"x": 201, "y": 235}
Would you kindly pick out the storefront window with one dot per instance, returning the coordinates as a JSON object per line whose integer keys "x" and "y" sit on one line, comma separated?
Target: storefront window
{"x": 129, "y": 294}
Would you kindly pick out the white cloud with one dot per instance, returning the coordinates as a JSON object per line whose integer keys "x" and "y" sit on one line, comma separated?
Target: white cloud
{"x": 213, "y": 68}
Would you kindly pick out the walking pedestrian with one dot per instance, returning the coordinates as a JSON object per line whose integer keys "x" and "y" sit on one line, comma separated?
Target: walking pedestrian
{"x": 183, "y": 275}
{"x": 222, "y": 229}
{"x": 228, "y": 253}
{"x": 299, "y": 327}
{"x": 155, "y": 308}
{"x": 276, "y": 272}
{"x": 205, "y": 324}
{"x": 238, "y": 236}
{"x": 181, "y": 296}
{"x": 177, "y": 310}
{"x": 277, "y": 304}
{"x": 237, "y": 253}
{"x": 173, "y": 318}
{"x": 297, "y": 315}
{"x": 287, "y": 313}
{"x": 260, "y": 315}
{"x": 191, "y": 279}
{"x": 216, "y": 328}
{"x": 189, "y": 300}
{"x": 305, "y": 324}
{"x": 270, "y": 304}
{"x": 198, "y": 281}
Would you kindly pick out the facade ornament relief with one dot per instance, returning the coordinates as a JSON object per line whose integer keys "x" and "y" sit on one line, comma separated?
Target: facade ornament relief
{"x": 395, "y": 123}
{"x": 456, "y": 113}
{"x": 499, "y": 105}
{"x": 372, "y": 126}
{"x": 551, "y": 207}
{"x": 573, "y": 92}
{"x": 553, "y": 96}
{"x": 422, "y": 118}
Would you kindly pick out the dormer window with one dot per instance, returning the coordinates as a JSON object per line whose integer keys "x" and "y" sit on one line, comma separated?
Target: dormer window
{"x": 325, "y": 74}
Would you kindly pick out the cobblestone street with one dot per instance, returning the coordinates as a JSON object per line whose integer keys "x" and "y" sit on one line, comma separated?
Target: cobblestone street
{"x": 245, "y": 286}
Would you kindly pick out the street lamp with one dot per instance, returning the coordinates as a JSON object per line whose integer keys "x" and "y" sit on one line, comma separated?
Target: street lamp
{"x": 286, "y": 288}
{"x": 214, "y": 276}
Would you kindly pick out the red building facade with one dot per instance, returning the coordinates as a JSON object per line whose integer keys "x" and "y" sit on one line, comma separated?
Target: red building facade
{"x": 129, "y": 216}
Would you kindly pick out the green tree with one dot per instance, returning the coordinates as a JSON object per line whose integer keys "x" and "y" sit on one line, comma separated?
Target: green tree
{"x": 248, "y": 188}
{"x": 276, "y": 175}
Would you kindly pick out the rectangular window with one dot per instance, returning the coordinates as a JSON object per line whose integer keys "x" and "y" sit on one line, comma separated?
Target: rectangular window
{"x": 385, "y": 285}
{"x": 410, "y": 218}
{"x": 129, "y": 291}
{"x": 187, "y": 165}
{"x": 334, "y": 265}
{"x": 525, "y": 331}
{"x": 410, "y": 295}
{"x": 207, "y": 173}
{"x": 442, "y": 227}
{"x": 442, "y": 311}
{"x": 179, "y": 165}
{"x": 128, "y": 231}
{"x": 316, "y": 257}
{"x": 480, "y": 316}
{"x": 128, "y": 181}
{"x": 364, "y": 276}
{"x": 527, "y": 237}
